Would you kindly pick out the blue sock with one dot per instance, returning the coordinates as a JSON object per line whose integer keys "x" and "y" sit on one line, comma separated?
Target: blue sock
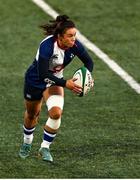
{"x": 47, "y": 139}
{"x": 28, "y": 134}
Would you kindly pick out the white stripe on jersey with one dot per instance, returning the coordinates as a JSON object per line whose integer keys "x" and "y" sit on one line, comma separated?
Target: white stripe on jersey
{"x": 57, "y": 60}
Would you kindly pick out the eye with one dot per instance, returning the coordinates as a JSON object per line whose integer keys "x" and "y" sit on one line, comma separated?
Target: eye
{"x": 70, "y": 35}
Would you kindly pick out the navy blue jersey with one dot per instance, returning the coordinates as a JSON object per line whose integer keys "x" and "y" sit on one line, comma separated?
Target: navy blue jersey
{"x": 50, "y": 61}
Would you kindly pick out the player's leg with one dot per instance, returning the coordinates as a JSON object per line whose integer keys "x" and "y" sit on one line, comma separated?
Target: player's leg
{"x": 30, "y": 121}
{"x": 33, "y": 101}
{"x": 31, "y": 116}
{"x": 54, "y": 98}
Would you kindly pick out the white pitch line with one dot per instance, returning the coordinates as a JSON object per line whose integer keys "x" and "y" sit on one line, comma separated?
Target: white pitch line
{"x": 91, "y": 46}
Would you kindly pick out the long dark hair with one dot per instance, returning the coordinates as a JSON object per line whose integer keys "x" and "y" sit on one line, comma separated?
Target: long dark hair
{"x": 58, "y": 26}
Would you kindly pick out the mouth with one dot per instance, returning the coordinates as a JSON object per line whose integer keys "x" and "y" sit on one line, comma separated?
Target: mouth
{"x": 72, "y": 43}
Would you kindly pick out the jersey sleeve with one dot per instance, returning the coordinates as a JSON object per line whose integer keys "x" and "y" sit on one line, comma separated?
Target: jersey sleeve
{"x": 44, "y": 54}
{"x": 83, "y": 55}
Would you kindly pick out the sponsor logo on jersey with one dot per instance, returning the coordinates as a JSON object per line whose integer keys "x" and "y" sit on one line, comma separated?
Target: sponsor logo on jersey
{"x": 49, "y": 82}
{"x": 54, "y": 57}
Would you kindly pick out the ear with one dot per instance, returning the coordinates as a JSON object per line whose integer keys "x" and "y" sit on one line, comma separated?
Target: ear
{"x": 60, "y": 37}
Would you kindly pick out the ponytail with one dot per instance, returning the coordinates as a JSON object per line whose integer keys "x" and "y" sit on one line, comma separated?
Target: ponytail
{"x": 58, "y": 26}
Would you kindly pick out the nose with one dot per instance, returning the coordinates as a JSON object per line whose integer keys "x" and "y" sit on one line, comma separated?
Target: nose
{"x": 73, "y": 39}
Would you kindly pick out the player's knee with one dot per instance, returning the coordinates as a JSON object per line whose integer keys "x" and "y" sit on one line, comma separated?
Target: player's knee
{"x": 55, "y": 113}
{"x": 55, "y": 105}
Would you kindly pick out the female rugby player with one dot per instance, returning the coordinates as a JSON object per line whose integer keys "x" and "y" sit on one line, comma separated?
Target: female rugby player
{"x": 44, "y": 81}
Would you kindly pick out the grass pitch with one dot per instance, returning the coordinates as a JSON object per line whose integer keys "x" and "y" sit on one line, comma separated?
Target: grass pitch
{"x": 99, "y": 136}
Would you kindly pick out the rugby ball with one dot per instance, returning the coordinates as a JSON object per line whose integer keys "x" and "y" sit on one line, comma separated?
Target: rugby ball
{"x": 84, "y": 79}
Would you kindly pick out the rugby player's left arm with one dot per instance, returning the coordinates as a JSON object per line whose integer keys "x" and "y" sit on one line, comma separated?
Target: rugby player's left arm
{"x": 83, "y": 55}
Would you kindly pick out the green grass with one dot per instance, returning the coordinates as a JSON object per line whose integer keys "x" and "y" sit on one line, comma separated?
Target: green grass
{"x": 99, "y": 135}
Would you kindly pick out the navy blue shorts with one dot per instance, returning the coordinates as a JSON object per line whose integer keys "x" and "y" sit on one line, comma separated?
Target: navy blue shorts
{"x": 32, "y": 93}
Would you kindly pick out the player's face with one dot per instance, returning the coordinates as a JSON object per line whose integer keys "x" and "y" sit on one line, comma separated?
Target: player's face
{"x": 68, "y": 38}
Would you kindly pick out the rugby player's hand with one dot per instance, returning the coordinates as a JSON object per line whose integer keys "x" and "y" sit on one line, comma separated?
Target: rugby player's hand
{"x": 70, "y": 84}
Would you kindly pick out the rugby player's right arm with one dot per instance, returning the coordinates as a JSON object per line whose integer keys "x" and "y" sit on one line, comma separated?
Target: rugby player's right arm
{"x": 47, "y": 76}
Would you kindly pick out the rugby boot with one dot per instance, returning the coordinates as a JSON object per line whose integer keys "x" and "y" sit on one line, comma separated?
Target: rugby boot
{"x": 45, "y": 154}
{"x": 25, "y": 150}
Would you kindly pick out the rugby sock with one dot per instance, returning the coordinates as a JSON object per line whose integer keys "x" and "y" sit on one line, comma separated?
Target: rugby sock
{"x": 47, "y": 139}
{"x": 28, "y": 134}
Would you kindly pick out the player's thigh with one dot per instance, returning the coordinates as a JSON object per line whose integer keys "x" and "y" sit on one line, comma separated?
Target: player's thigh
{"x": 33, "y": 107}
{"x": 53, "y": 90}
